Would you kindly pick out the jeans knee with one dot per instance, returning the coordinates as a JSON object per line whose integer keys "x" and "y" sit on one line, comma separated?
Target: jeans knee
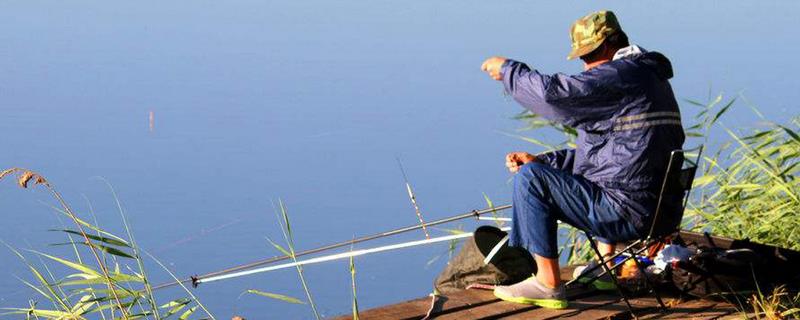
{"x": 529, "y": 175}
{"x": 533, "y": 166}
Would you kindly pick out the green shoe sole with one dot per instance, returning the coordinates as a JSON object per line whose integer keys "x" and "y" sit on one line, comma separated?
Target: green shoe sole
{"x": 544, "y": 303}
{"x": 600, "y": 284}
{"x": 604, "y": 285}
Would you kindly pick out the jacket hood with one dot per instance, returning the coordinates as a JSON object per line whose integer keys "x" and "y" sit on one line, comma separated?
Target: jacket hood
{"x": 656, "y": 62}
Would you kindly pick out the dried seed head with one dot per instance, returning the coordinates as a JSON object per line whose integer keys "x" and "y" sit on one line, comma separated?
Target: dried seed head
{"x": 24, "y": 178}
{"x": 6, "y": 172}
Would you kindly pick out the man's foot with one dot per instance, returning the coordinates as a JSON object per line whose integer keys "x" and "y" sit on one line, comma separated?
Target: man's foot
{"x": 530, "y": 291}
{"x": 603, "y": 283}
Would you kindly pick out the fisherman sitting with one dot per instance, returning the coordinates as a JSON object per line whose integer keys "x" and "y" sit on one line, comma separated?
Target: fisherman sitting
{"x": 628, "y": 122}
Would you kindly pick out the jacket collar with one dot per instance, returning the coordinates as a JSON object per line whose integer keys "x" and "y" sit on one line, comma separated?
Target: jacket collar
{"x": 628, "y": 51}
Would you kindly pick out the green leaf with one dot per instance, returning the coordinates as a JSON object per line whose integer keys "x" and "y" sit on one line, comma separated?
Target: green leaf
{"x": 35, "y": 288}
{"x": 86, "y": 224}
{"x": 111, "y": 241}
{"x": 721, "y": 111}
{"x": 114, "y": 251}
{"x": 275, "y": 296}
{"x": 176, "y": 302}
{"x": 88, "y": 279}
{"x": 74, "y": 265}
{"x": 704, "y": 180}
{"x": 106, "y": 249}
{"x": 49, "y": 314}
{"x": 490, "y": 204}
{"x": 112, "y": 306}
{"x": 280, "y": 248}
{"x": 42, "y": 280}
{"x": 83, "y": 305}
{"x": 694, "y": 103}
{"x": 188, "y": 313}
{"x": 175, "y": 306}
{"x": 791, "y": 134}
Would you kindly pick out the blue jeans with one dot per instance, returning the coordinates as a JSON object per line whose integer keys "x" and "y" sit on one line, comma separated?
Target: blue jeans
{"x": 543, "y": 195}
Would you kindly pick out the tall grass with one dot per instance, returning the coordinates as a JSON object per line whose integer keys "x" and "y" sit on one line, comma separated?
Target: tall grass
{"x": 101, "y": 288}
{"x": 288, "y": 236}
{"x": 778, "y": 305}
{"x": 749, "y": 187}
{"x": 353, "y": 285}
{"x": 116, "y": 286}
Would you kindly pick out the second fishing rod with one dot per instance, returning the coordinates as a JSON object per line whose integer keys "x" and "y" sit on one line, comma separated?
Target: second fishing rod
{"x": 194, "y": 280}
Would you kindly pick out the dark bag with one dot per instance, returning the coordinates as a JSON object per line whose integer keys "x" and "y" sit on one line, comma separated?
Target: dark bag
{"x": 509, "y": 265}
{"x": 723, "y": 266}
{"x": 715, "y": 273}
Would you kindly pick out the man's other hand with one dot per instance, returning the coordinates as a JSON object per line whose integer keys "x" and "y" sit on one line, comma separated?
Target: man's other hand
{"x": 514, "y": 160}
{"x": 492, "y": 67}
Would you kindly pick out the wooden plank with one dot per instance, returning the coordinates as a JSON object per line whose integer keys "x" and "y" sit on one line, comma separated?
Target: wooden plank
{"x": 584, "y": 304}
{"x": 720, "y": 310}
{"x": 695, "y": 309}
{"x": 494, "y": 306}
{"x": 499, "y": 308}
{"x": 481, "y": 304}
{"x": 417, "y": 308}
{"x": 614, "y": 309}
{"x": 459, "y": 304}
{"x": 738, "y": 316}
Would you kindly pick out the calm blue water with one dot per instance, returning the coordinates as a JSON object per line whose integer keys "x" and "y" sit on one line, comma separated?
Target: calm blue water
{"x": 310, "y": 102}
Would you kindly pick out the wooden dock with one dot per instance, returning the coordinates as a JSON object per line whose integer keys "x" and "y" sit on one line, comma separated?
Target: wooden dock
{"x": 584, "y": 304}
{"x": 481, "y": 304}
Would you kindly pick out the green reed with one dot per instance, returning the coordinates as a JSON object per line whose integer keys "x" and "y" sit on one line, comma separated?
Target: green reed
{"x": 288, "y": 236}
{"x": 108, "y": 287}
{"x": 749, "y": 187}
{"x": 117, "y": 285}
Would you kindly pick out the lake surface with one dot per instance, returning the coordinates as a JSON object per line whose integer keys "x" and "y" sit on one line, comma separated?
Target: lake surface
{"x": 311, "y": 102}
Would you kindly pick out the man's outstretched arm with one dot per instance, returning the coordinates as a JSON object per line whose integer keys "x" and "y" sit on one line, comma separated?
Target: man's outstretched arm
{"x": 577, "y": 101}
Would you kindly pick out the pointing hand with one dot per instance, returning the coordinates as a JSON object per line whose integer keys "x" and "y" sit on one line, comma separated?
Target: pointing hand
{"x": 492, "y": 67}
{"x": 514, "y": 160}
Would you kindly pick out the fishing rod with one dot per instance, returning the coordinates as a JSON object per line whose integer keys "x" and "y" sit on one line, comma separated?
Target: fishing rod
{"x": 348, "y": 254}
{"x": 195, "y": 280}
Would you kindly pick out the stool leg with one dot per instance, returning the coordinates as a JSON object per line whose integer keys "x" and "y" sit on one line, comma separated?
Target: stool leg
{"x": 611, "y": 274}
{"x": 647, "y": 281}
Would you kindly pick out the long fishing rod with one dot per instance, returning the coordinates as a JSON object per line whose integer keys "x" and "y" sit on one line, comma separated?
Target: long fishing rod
{"x": 348, "y": 254}
{"x": 195, "y": 280}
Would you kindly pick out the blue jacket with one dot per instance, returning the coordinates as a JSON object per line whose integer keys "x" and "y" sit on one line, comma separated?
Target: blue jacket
{"x": 627, "y": 120}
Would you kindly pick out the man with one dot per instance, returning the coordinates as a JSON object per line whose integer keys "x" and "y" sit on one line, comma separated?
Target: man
{"x": 628, "y": 122}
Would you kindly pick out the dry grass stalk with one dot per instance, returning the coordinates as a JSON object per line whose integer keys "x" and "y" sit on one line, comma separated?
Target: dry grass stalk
{"x": 778, "y": 305}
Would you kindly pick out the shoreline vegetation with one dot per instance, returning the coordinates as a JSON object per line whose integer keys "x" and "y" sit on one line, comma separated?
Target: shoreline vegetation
{"x": 747, "y": 187}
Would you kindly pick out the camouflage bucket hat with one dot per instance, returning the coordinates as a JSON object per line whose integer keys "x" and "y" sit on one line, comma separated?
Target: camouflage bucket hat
{"x": 588, "y": 33}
